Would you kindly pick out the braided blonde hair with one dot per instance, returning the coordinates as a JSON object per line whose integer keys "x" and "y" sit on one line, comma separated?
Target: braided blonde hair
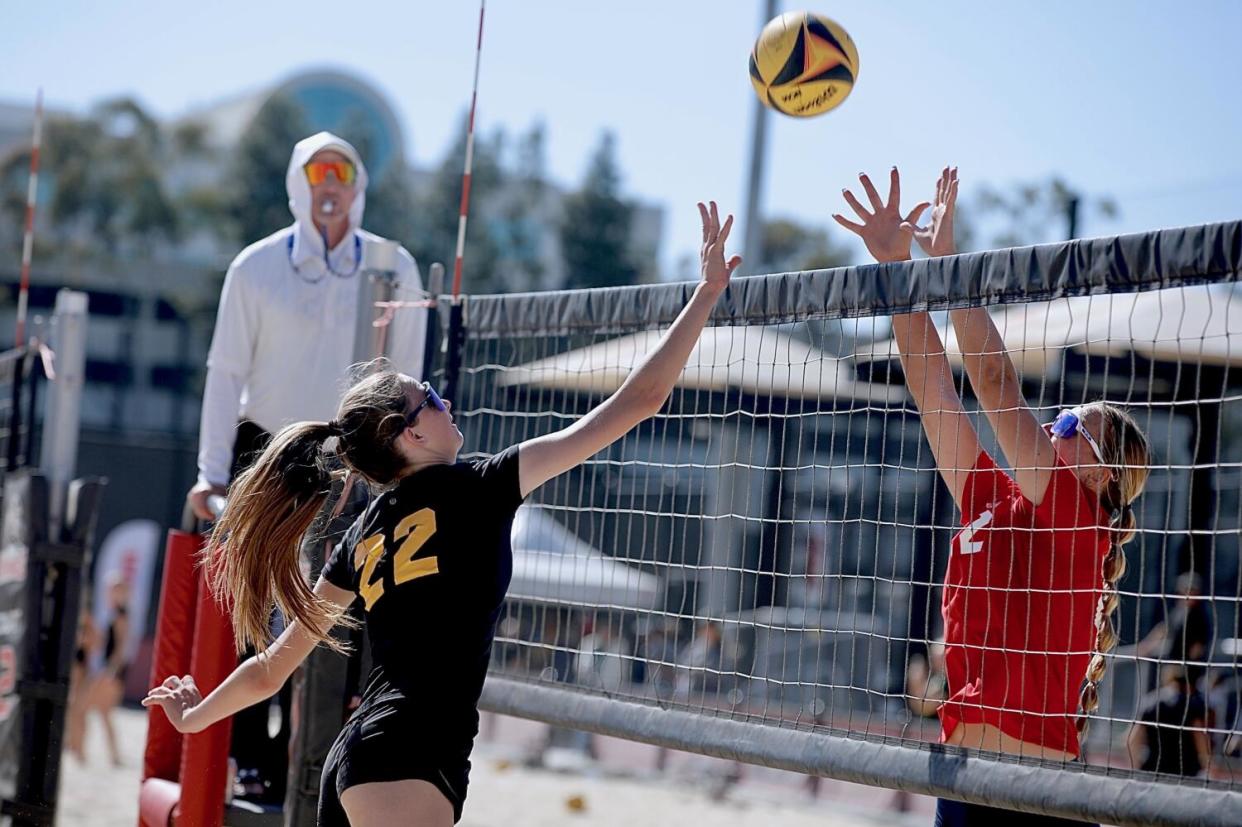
{"x": 1126, "y": 451}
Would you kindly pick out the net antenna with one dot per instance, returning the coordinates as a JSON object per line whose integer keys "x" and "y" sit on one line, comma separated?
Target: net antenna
{"x": 463, "y": 211}
{"x": 456, "y": 329}
{"x": 465, "y": 175}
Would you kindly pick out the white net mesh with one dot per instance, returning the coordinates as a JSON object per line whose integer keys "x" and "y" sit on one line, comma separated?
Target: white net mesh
{"x": 772, "y": 547}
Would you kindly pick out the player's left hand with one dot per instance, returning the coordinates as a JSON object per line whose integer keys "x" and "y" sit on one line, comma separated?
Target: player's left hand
{"x": 176, "y": 696}
{"x": 936, "y": 238}
{"x": 716, "y": 271}
{"x": 884, "y": 230}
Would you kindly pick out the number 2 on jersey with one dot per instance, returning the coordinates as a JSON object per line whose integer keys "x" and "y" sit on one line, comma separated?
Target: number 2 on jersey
{"x": 415, "y": 530}
{"x": 967, "y": 544}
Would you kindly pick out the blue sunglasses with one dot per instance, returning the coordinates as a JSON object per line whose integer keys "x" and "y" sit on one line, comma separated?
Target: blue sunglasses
{"x": 1068, "y": 423}
{"x": 430, "y": 397}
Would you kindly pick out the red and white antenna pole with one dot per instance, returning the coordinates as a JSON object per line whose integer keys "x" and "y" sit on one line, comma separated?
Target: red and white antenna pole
{"x": 465, "y": 178}
{"x": 32, "y": 190}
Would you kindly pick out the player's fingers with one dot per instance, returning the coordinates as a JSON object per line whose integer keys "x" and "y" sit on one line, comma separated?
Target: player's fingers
{"x": 872, "y": 195}
{"x": 847, "y": 224}
{"x": 704, "y": 218}
{"x": 715, "y": 219}
{"x": 724, "y": 231}
{"x": 894, "y": 188}
{"x": 913, "y": 217}
{"x": 855, "y": 205}
{"x": 733, "y": 264}
{"x": 171, "y": 682}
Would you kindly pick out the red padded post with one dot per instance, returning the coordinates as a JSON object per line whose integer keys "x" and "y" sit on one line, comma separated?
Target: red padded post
{"x": 174, "y": 636}
{"x": 205, "y": 758}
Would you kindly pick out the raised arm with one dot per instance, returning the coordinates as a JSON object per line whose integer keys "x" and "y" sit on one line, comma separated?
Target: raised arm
{"x": 644, "y": 391}
{"x": 254, "y": 680}
{"x": 998, "y": 388}
{"x": 1027, "y": 446}
{"x": 888, "y": 236}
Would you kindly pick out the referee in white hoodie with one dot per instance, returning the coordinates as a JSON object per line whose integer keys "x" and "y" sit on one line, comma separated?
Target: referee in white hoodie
{"x": 287, "y": 319}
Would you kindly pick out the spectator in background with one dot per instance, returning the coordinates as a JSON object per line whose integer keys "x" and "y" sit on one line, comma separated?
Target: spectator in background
{"x": 1186, "y": 635}
{"x": 1170, "y": 735}
{"x": 656, "y": 656}
{"x": 80, "y": 684}
{"x": 1222, "y": 691}
{"x": 108, "y": 685}
{"x": 701, "y": 662}
{"x": 604, "y": 660}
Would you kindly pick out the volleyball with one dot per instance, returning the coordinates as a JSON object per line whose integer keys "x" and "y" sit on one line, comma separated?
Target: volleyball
{"x": 803, "y": 64}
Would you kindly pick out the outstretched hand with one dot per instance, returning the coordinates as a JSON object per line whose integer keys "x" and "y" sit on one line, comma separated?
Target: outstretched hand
{"x": 884, "y": 230}
{"x": 936, "y": 238}
{"x": 716, "y": 271}
{"x": 176, "y": 696}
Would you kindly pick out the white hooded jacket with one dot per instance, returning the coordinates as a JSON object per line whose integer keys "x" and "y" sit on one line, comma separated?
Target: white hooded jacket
{"x": 284, "y": 333}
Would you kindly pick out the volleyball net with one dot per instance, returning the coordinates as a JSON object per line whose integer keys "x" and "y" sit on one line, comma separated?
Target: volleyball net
{"x": 756, "y": 572}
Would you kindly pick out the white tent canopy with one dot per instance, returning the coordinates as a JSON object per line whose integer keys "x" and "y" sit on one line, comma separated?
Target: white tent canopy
{"x": 754, "y": 359}
{"x": 1184, "y": 324}
{"x": 551, "y": 565}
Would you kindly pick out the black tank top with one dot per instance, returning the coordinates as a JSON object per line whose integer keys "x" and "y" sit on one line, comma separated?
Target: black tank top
{"x": 431, "y": 561}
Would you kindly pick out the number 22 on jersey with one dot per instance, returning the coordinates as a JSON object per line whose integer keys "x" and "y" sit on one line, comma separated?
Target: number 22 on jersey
{"x": 412, "y": 532}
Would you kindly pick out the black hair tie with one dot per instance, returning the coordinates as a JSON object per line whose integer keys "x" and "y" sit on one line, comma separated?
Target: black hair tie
{"x": 335, "y": 429}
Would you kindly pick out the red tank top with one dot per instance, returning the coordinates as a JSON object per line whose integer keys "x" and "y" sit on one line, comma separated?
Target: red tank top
{"x": 1019, "y": 606}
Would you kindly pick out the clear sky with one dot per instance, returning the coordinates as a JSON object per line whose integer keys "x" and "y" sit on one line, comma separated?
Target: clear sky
{"x": 1138, "y": 100}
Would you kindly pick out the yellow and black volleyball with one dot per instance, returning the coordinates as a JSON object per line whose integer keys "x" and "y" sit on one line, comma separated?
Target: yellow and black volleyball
{"x": 803, "y": 64}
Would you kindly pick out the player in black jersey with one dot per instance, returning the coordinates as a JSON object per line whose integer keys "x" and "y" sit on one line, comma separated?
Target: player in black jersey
{"x": 429, "y": 559}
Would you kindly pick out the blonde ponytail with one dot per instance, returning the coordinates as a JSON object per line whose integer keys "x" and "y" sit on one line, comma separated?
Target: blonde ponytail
{"x": 1125, "y": 448}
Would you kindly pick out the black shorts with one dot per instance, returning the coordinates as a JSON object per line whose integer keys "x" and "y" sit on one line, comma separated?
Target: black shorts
{"x": 371, "y": 750}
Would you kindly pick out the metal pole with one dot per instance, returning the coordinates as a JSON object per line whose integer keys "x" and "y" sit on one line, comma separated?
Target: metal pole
{"x": 435, "y": 286}
{"x": 758, "y": 145}
{"x": 62, "y": 418}
{"x": 1072, "y": 204}
{"x": 378, "y": 283}
{"x": 15, "y": 409}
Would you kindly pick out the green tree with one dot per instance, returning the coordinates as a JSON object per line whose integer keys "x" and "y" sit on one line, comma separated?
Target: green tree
{"x": 260, "y": 201}
{"x": 522, "y": 212}
{"x": 391, "y": 205}
{"x": 1030, "y": 212}
{"x": 787, "y": 246}
{"x": 105, "y": 172}
{"x": 595, "y": 236}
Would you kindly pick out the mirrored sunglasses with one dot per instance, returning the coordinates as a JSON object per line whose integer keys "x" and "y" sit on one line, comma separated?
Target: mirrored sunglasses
{"x": 317, "y": 172}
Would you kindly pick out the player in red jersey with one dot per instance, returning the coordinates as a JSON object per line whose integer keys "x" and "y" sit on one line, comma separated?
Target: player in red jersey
{"x": 1031, "y": 582}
